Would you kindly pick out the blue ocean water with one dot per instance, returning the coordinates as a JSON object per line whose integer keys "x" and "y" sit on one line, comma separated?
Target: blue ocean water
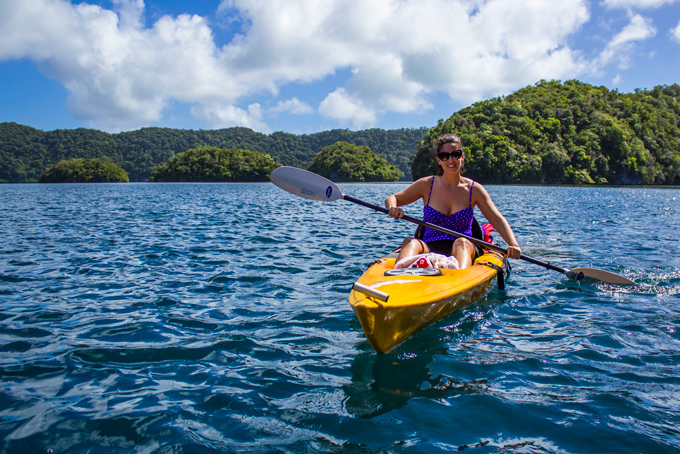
{"x": 187, "y": 318}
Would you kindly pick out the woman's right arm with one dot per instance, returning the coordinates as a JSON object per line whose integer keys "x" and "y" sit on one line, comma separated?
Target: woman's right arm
{"x": 404, "y": 197}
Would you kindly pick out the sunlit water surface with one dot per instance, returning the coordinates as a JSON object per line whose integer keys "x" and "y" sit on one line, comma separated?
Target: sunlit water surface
{"x": 196, "y": 318}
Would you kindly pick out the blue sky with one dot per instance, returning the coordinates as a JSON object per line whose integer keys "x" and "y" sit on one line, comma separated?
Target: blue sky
{"x": 303, "y": 66}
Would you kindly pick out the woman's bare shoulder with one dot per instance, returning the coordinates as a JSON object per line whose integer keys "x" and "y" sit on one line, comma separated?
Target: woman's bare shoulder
{"x": 423, "y": 181}
{"x": 477, "y": 188}
{"x": 469, "y": 182}
{"x": 413, "y": 192}
{"x": 478, "y": 185}
{"x": 420, "y": 188}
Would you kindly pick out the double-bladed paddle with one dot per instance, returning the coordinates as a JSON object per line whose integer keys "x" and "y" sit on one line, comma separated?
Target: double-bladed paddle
{"x": 315, "y": 187}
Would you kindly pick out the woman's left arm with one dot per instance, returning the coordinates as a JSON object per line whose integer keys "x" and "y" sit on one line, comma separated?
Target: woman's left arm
{"x": 482, "y": 199}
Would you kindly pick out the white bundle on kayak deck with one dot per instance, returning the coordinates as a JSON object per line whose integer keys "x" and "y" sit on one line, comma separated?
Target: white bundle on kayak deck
{"x": 429, "y": 260}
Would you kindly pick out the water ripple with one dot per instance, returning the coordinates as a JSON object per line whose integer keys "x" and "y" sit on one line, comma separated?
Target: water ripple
{"x": 214, "y": 317}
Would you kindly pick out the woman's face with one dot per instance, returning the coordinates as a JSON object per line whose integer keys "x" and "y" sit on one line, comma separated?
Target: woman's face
{"x": 450, "y": 163}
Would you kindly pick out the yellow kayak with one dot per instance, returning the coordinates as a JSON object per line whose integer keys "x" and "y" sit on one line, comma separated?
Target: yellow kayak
{"x": 392, "y": 305}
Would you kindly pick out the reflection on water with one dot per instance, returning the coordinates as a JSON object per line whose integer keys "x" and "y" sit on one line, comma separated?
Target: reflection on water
{"x": 383, "y": 383}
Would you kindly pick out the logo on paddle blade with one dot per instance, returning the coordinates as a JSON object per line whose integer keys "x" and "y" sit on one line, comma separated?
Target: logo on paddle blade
{"x": 329, "y": 191}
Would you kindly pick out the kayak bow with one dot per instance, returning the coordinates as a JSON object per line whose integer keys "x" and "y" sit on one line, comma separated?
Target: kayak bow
{"x": 392, "y": 305}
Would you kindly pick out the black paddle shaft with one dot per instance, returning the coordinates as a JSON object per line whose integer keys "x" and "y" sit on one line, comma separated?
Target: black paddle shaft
{"x": 480, "y": 243}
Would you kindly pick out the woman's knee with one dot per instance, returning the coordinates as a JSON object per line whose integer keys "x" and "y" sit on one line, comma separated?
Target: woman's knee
{"x": 464, "y": 251}
{"x": 463, "y": 244}
{"x": 408, "y": 241}
{"x": 413, "y": 244}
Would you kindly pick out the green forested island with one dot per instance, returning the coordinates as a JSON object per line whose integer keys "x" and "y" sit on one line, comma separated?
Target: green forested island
{"x": 549, "y": 133}
{"x": 343, "y": 161}
{"x": 84, "y": 171}
{"x": 215, "y": 165}
{"x": 571, "y": 133}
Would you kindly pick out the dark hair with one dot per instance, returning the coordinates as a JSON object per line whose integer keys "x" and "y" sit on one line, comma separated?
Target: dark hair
{"x": 447, "y": 138}
{"x": 441, "y": 141}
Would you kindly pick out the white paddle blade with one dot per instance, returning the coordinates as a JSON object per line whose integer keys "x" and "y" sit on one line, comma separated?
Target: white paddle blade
{"x": 602, "y": 276}
{"x": 306, "y": 184}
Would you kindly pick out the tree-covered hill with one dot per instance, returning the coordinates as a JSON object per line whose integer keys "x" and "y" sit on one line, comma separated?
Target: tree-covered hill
{"x": 212, "y": 164}
{"x": 566, "y": 133}
{"x": 83, "y": 170}
{"x": 26, "y": 152}
{"x": 343, "y": 161}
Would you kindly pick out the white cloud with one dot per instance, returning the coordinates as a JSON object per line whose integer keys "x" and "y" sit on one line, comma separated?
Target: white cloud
{"x": 675, "y": 33}
{"x": 341, "y": 106}
{"x": 621, "y": 46}
{"x": 636, "y": 4}
{"x": 402, "y": 51}
{"x": 123, "y": 75}
{"x": 130, "y": 12}
{"x": 294, "y": 106}
{"x": 224, "y": 116}
{"x": 119, "y": 74}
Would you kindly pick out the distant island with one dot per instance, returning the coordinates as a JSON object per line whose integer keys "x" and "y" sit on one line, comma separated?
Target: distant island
{"x": 84, "y": 171}
{"x": 212, "y": 164}
{"x": 548, "y": 133}
{"x": 343, "y": 161}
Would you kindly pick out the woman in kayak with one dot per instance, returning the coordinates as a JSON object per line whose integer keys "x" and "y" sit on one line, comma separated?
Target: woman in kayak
{"x": 450, "y": 192}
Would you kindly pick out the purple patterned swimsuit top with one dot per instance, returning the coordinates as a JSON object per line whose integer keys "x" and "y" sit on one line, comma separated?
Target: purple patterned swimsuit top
{"x": 460, "y": 221}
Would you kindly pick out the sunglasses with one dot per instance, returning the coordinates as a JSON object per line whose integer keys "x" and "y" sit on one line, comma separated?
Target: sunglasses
{"x": 444, "y": 155}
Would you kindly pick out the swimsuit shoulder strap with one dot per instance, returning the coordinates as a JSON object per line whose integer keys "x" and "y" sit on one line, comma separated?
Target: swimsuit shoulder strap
{"x": 430, "y": 194}
{"x": 471, "y": 186}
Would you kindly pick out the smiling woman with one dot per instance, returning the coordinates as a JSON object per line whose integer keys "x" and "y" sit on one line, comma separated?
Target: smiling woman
{"x": 449, "y": 200}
